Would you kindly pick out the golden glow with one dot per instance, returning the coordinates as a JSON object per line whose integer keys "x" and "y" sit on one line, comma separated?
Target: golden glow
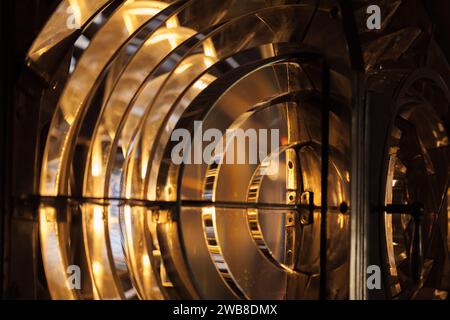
{"x": 96, "y": 159}
{"x": 200, "y": 84}
{"x": 395, "y": 288}
{"x": 75, "y": 10}
{"x": 173, "y": 36}
{"x": 128, "y": 20}
{"x": 74, "y": 100}
{"x": 209, "y": 211}
{"x": 128, "y": 227}
{"x": 146, "y": 262}
{"x": 144, "y": 165}
{"x": 53, "y": 255}
{"x": 183, "y": 67}
{"x": 98, "y": 252}
{"x": 68, "y": 17}
{"x": 172, "y": 23}
{"x": 209, "y": 49}
{"x": 127, "y": 214}
{"x": 143, "y": 11}
{"x": 341, "y": 220}
{"x": 97, "y": 268}
{"x": 136, "y": 11}
{"x": 208, "y": 61}
{"x": 68, "y": 115}
{"x": 98, "y": 220}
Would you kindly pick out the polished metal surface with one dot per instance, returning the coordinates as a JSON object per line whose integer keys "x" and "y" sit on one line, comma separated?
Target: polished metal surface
{"x": 417, "y": 165}
{"x": 300, "y": 219}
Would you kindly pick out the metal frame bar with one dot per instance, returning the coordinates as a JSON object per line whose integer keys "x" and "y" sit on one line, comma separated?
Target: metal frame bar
{"x": 324, "y": 179}
{"x": 360, "y": 202}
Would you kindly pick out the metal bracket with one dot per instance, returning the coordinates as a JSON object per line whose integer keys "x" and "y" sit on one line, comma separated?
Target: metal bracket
{"x": 306, "y": 215}
{"x": 416, "y": 210}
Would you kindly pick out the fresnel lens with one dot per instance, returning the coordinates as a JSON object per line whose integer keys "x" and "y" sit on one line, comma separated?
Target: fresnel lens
{"x": 202, "y": 150}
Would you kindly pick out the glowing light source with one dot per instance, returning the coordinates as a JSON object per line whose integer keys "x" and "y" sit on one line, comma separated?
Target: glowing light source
{"x": 96, "y": 268}
{"x": 96, "y": 160}
{"x": 98, "y": 219}
{"x": 341, "y": 220}
{"x": 145, "y": 262}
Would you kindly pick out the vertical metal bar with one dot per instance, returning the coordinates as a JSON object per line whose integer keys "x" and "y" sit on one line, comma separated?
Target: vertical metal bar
{"x": 360, "y": 208}
{"x": 359, "y": 196}
{"x": 324, "y": 178}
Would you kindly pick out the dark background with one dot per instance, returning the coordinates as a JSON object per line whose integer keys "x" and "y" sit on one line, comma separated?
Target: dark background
{"x": 20, "y": 23}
